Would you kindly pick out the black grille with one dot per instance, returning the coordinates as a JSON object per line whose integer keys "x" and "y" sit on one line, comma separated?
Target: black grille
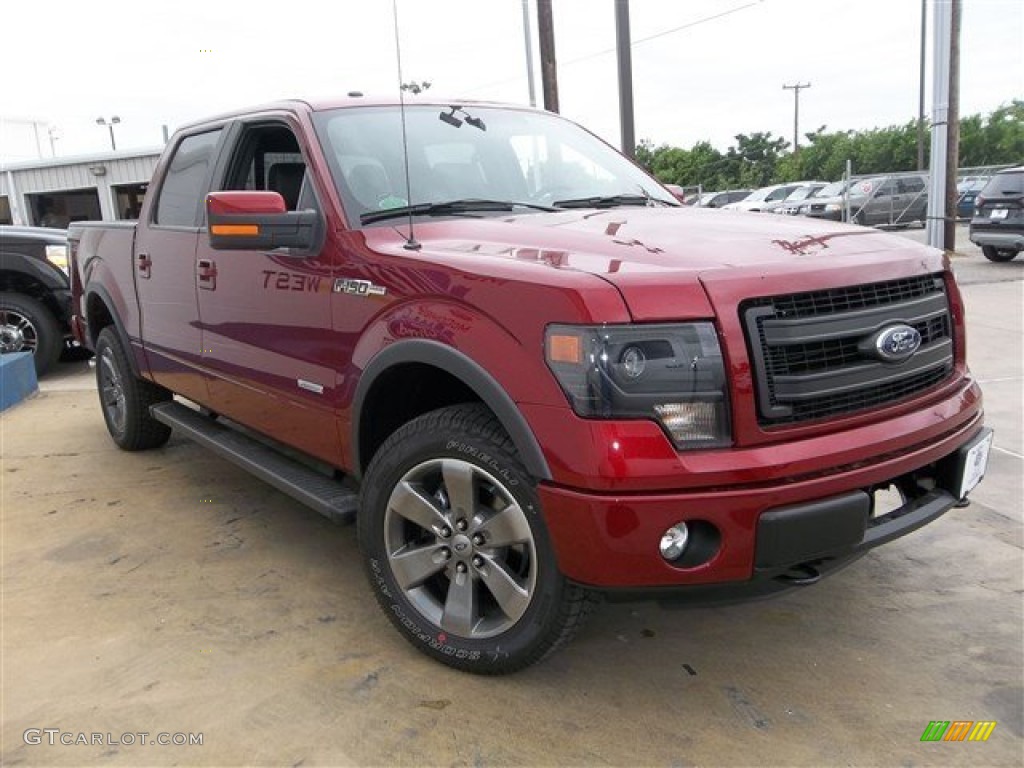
{"x": 835, "y": 353}
{"x": 855, "y": 297}
{"x": 871, "y": 397}
{"x": 813, "y": 355}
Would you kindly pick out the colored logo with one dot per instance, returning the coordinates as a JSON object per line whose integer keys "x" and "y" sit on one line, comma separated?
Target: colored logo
{"x": 958, "y": 730}
{"x": 896, "y": 343}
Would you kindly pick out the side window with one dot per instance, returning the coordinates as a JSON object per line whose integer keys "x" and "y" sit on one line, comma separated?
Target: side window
{"x": 913, "y": 184}
{"x": 887, "y": 190}
{"x": 267, "y": 157}
{"x": 182, "y": 187}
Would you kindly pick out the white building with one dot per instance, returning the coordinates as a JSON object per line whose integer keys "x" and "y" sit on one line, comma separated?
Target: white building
{"x": 106, "y": 186}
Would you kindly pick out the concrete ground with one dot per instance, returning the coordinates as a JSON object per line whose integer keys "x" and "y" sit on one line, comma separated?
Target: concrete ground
{"x": 169, "y": 592}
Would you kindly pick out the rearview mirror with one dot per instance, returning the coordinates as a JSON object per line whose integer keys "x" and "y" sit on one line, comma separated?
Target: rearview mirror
{"x": 256, "y": 220}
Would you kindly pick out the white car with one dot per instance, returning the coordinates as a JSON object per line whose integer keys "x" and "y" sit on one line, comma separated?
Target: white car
{"x": 764, "y": 198}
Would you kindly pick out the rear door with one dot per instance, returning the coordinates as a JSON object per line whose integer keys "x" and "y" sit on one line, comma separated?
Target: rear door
{"x": 165, "y": 267}
{"x": 267, "y": 336}
{"x": 879, "y": 207}
{"x": 913, "y": 199}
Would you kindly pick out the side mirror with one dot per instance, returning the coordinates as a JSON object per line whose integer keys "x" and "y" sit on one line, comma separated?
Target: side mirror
{"x": 251, "y": 220}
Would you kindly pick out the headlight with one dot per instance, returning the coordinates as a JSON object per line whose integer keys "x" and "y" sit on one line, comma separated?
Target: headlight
{"x": 58, "y": 256}
{"x": 671, "y": 374}
{"x": 833, "y": 207}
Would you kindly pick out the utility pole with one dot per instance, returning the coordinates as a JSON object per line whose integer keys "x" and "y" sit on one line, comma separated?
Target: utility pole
{"x": 920, "y": 100}
{"x": 548, "y": 70}
{"x": 625, "y": 77}
{"x": 529, "y": 53}
{"x": 953, "y": 129}
{"x": 796, "y": 88}
{"x": 942, "y": 76}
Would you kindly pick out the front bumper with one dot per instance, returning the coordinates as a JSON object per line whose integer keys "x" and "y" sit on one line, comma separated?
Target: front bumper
{"x": 759, "y": 539}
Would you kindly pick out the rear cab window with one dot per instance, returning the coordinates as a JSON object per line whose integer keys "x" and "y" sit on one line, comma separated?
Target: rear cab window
{"x": 180, "y": 201}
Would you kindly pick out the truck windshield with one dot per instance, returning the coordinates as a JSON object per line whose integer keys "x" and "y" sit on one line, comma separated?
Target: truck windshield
{"x": 473, "y": 153}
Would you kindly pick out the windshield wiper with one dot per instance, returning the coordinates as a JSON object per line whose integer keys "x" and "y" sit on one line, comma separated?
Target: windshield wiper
{"x": 610, "y": 201}
{"x": 449, "y": 207}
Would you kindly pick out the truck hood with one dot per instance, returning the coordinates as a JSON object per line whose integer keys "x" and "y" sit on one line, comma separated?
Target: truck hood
{"x": 662, "y": 259}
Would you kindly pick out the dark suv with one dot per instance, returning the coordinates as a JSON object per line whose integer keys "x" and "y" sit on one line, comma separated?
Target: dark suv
{"x": 35, "y": 296}
{"x": 998, "y": 222}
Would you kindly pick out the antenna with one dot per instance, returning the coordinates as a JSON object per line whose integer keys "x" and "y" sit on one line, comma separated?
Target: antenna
{"x": 410, "y": 243}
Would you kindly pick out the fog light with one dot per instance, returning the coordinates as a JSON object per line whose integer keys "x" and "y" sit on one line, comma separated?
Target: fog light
{"x": 673, "y": 541}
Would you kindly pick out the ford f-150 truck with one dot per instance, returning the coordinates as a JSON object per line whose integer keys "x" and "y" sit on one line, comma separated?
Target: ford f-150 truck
{"x": 529, "y": 375}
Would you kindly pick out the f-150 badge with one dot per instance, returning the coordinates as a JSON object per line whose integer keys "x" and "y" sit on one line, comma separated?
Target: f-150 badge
{"x": 358, "y": 287}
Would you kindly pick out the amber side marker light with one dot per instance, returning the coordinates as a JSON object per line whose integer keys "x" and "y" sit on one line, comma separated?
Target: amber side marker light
{"x": 235, "y": 229}
{"x": 565, "y": 349}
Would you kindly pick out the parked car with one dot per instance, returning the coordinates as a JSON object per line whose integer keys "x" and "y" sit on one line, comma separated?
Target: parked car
{"x": 759, "y": 198}
{"x": 805, "y": 191}
{"x": 35, "y": 296}
{"x": 966, "y": 192}
{"x": 796, "y": 205}
{"x": 722, "y": 199}
{"x": 876, "y": 201}
{"x": 527, "y": 389}
{"x": 998, "y": 221}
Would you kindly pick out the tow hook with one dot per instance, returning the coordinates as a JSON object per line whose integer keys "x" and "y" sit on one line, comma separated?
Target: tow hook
{"x": 800, "y": 575}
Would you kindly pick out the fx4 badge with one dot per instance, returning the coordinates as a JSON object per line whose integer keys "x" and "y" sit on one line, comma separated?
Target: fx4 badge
{"x": 358, "y": 287}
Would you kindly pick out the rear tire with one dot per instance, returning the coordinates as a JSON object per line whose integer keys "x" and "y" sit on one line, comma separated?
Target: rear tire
{"x": 998, "y": 255}
{"x": 125, "y": 400}
{"x": 456, "y": 549}
{"x": 26, "y": 325}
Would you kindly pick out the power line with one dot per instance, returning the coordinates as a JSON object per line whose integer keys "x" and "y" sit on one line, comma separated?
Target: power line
{"x": 688, "y": 25}
{"x": 633, "y": 44}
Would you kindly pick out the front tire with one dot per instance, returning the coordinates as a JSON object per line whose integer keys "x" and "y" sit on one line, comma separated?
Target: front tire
{"x": 125, "y": 400}
{"x": 998, "y": 255}
{"x": 456, "y": 548}
{"x": 26, "y": 325}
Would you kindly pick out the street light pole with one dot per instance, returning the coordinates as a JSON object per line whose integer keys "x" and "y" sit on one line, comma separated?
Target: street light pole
{"x": 796, "y": 88}
{"x": 113, "y": 121}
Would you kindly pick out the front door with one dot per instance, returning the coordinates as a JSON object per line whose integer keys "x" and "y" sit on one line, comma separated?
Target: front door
{"x": 267, "y": 338}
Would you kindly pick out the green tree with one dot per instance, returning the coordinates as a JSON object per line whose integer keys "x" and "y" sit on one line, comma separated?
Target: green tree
{"x": 760, "y": 159}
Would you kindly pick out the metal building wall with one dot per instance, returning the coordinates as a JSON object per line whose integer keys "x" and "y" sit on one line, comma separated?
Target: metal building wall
{"x": 100, "y": 172}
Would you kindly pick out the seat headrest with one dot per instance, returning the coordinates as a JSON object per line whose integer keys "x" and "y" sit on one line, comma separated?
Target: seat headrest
{"x": 286, "y": 179}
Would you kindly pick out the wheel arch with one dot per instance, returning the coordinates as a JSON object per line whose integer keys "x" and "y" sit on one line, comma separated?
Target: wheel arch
{"x": 436, "y": 365}
{"x": 101, "y": 312}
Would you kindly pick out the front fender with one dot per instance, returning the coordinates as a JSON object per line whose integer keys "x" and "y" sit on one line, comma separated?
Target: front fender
{"x": 473, "y": 375}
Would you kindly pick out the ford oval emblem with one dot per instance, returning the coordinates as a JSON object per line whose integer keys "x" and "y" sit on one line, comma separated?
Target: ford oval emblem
{"x": 896, "y": 343}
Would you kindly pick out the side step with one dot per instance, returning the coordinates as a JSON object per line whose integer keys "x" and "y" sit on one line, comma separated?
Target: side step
{"x": 328, "y": 497}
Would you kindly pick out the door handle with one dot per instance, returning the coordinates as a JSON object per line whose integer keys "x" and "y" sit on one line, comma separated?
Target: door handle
{"x": 206, "y": 272}
{"x": 143, "y": 263}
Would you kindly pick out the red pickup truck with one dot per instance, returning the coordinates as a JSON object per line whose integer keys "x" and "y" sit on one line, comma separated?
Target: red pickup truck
{"x": 529, "y": 375}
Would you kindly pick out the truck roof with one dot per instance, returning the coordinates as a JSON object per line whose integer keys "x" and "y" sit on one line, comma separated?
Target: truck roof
{"x": 353, "y": 99}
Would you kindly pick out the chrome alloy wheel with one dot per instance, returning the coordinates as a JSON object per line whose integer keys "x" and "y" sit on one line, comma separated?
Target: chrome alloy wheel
{"x": 460, "y": 547}
{"x": 112, "y": 390}
{"x": 17, "y": 333}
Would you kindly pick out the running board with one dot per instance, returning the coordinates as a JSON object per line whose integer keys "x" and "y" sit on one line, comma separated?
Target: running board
{"x": 323, "y": 494}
